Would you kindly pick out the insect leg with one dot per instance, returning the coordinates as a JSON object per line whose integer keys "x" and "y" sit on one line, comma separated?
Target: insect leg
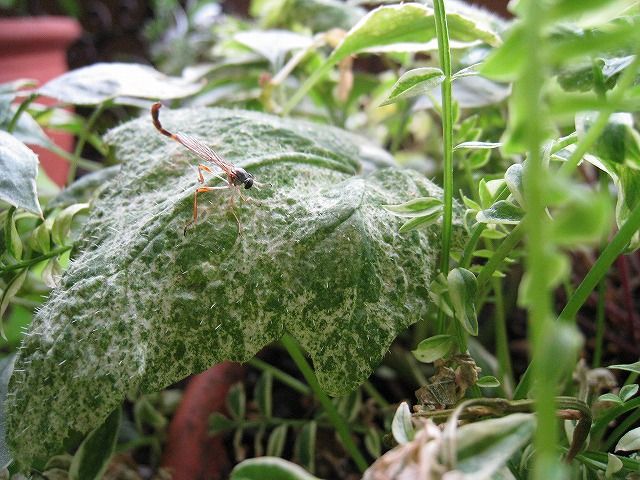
{"x": 195, "y": 203}
{"x": 202, "y": 167}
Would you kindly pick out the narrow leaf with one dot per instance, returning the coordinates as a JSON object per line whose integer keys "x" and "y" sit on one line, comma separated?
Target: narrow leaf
{"x": 10, "y": 291}
{"x": 423, "y": 221}
{"x": 92, "y": 458}
{"x": 463, "y": 286}
{"x": 401, "y": 425}
{"x": 263, "y": 394}
{"x": 18, "y": 172}
{"x": 433, "y": 348}
{"x": 305, "y": 446}
{"x": 630, "y": 367}
{"x": 62, "y": 223}
{"x": 416, "y": 207}
{"x": 610, "y": 397}
{"x": 236, "y": 401}
{"x": 275, "y": 444}
{"x": 218, "y": 423}
{"x": 477, "y": 145}
{"x": 415, "y": 82}
{"x": 12, "y": 241}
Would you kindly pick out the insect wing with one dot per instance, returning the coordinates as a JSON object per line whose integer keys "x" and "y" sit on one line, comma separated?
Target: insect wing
{"x": 203, "y": 151}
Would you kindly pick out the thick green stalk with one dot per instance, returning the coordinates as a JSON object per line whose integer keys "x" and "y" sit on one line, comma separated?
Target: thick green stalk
{"x": 338, "y": 422}
{"x": 21, "y": 108}
{"x": 528, "y": 94}
{"x": 590, "y": 281}
{"x": 504, "y": 249}
{"x": 41, "y": 258}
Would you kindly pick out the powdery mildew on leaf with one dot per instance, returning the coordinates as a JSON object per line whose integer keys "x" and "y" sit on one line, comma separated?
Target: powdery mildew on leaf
{"x": 143, "y": 306}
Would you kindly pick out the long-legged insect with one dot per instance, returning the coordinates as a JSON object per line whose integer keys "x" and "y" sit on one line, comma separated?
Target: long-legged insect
{"x": 235, "y": 176}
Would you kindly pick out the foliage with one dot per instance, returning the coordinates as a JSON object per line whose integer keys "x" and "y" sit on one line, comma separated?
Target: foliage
{"x": 337, "y": 252}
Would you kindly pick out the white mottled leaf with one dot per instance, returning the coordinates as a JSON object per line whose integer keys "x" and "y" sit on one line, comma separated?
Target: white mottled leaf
{"x": 18, "y": 171}
{"x": 100, "y": 82}
{"x": 142, "y": 306}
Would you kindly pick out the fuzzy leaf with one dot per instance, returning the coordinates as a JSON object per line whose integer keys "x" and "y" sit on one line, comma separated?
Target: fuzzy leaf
{"x": 415, "y": 82}
{"x": 143, "y": 306}
{"x": 18, "y": 171}
{"x": 6, "y": 368}
{"x": 100, "y": 82}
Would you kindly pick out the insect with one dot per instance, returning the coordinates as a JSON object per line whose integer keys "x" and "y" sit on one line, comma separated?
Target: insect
{"x": 236, "y": 177}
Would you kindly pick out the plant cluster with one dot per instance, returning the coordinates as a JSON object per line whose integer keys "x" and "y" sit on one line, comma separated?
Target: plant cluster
{"x": 431, "y": 173}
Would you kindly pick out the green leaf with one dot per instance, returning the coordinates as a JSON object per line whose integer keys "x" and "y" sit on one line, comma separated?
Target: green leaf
{"x": 51, "y": 273}
{"x": 629, "y": 442}
{"x": 318, "y": 15}
{"x": 62, "y": 223}
{"x": 272, "y": 468}
{"x": 273, "y": 44}
{"x": 12, "y": 241}
{"x": 584, "y": 219}
{"x": 614, "y": 465}
{"x": 101, "y": 82}
{"x": 40, "y": 239}
{"x": 413, "y": 83}
{"x": 401, "y": 426}
{"x": 628, "y": 391}
{"x": 26, "y": 129}
{"x": 463, "y": 287}
{"x": 477, "y": 145}
{"x": 218, "y": 423}
{"x": 263, "y": 394}
{"x": 416, "y": 207}
{"x": 10, "y": 291}
{"x": 18, "y": 172}
{"x": 398, "y": 28}
{"x": 236, "y": 401}
{"x": 422, "y": 221}
{"x": 433, "y": 348}
{"x": 275, "y": 444}
{"x": 501, "y": 213}
{"x": 610, "y": 397}
{"x": 505, "y": 63}
{"x": 6, "y": 369}
{"x": 92, "y": 458}
{"x": 484, "y": 447}
{"x": 305, "y": 446}
{"x": 372, "y": 442}
{"x": 569, "y": 9}
{"x": 307, "y": 258}
{"x": 513, "y": 178}
{"x": 630, "y": 367}
{"x": 488, "y": 382}
{"x": 625, "y": 177}
{"x": 350, "y": 405}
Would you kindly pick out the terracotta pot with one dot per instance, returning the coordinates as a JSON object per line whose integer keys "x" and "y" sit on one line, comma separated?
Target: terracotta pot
{"x": 35, "y": 47}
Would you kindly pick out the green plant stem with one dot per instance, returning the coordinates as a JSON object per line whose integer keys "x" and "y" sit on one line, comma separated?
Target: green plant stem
{"x": 501, "y": 338}
{"x": 21, "y": 108}
{"x": 504, "y": 249}
{"x": 442, "y": 33}
{"x": 27, "y": 263}
{"x": 602, "y": 290}
{"x": 625, "y": 81}
{"x": 81, "y": 162}
{"x": 281, "y": 376}
{"x": 590, "y": 281}
{"x": 338, "y": 422}
{"x": 73, "y": 166}
{"x": 621, "y": 429}
{"x": 528, "y": 95}
{"x": 375, "y": 394}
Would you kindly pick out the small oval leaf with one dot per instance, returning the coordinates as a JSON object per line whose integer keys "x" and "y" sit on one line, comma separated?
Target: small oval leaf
{"x": 402, "y": 426}
{"x": 275, "y": 444}
{"x": 488, "y": 382}
{"x": 630, "y": 441}
{"x": 628, "y": 391}
{"x": 501, "y": 213}
{"x": 433, "y": 348}
{"x": 463, "y": 286}
{"x": 413, "y": 83}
